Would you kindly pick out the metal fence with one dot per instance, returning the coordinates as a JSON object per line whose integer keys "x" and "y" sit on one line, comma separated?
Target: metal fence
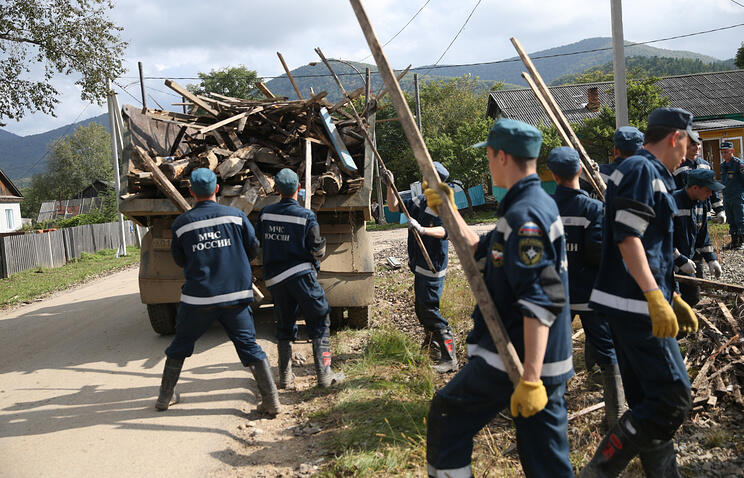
{"x": 68, "y": 208}
{"x": 55, "y": 248}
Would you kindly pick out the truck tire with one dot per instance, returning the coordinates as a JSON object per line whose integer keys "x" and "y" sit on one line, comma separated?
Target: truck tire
{"x": 163, "y": 318}
{"x": 358, "y": 317}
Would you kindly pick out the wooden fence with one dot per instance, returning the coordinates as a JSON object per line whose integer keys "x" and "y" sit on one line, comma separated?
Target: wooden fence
{"x": 55, "y": 248}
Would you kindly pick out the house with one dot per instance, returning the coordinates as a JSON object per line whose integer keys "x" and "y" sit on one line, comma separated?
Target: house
{"x": 10, "y": 205}
{"x": 97, "y": 188}
{"x": 716, "y": 101}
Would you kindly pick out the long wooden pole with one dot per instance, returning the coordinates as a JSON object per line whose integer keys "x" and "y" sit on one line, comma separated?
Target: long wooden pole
{"x": 591, "y": 168}
{"x": 372, "y": 145}
{"x": 490, "y": 314}
{"x": 289, "y": 75}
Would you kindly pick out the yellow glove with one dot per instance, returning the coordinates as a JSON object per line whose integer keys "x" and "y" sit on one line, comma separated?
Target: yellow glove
{"x": 434, "y": 199}
{"x": 663, "y": 320}
{"x": 528, "y": 398}
{"x": 686, "y": 319}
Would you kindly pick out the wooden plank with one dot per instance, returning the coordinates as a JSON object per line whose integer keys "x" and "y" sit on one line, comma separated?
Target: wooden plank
{"x": 384, "y": 90}
{"x": 589, "y": 409}
{"x": 165, "y": 186}
{"x": 224, "y": 122}
{"x": 191, "y": 97}
{"x": 727, "y": 315}
{"x": 230, "y": 167}
{"x": 265, "y": 90}
{"x": 346, "y": 163}
{"x": 289, "y": 75}
{"x": 503, "y": 344}
{"x": 308, "y": 172}
{"x": 710, "y": 284}
{"x": 265, "y": 184}
{"x": 177, "y": 141}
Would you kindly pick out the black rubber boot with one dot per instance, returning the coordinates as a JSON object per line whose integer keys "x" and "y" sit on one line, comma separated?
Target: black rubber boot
{"x": 660, "y": 461}
{"x": 168, "y": 395}
{"x": 286, "y": 377}
{"x": 614, "y": 394}
{"x": 615, "y": 451}
{"x": 448, "y": 360}
{"x": 269, "y": 403}
{"x": 322, "y": 359}
{"x": 431, "y": 346}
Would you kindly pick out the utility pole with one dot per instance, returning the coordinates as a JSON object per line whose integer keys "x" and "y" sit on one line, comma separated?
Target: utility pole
{"x": 142, "y": 86}
{"x": 418, "y": 100}
{"x": 378, "y": 183}
{"x": 618, "y": 61}
{"x": 115, "y": 134}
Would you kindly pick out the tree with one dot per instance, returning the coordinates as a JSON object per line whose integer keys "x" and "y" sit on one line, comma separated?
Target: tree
{"x": 55, "y": 37}
{"x": 75, "y": 161}
{"x": 236, "y": 81}
{"x": 739, "y": 59}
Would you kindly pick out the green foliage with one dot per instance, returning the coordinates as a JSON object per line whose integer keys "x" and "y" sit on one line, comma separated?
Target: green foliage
{"x": 393, "y": 145}
{"x": 75, "y": 161}
{"x": 236, "y": 81}
{"x": 739, "y": 59}
{"x": 40, "y": 39}
{"x": 644, "y": 96}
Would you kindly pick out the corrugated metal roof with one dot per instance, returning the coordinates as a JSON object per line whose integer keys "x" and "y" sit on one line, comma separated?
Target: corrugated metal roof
{"x": 717, "y": 124}
{"x": 702, "y": 94}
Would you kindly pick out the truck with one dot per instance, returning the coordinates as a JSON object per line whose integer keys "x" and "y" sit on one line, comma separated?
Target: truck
{"x": 346, "y": 272}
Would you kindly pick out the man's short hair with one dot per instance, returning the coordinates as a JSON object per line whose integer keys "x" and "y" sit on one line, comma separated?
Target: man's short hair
{"x": 656, "y": 133}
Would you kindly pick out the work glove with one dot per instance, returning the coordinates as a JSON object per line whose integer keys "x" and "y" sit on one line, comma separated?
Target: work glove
{"x": 688, "y": 267}
{"x": 414, "y": 224}
{"x": 686, "y": 319}
{"x": 720, "y": 218}
{"x": 434, "y": 199}
{"x": 715, "y": 269}
{"x": 663, "y": 321}
{"x": 528, "y": 398}
{"x": 387, "y": 177}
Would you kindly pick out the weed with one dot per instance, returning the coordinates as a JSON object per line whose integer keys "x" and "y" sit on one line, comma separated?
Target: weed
{"x": 716, "y": 438}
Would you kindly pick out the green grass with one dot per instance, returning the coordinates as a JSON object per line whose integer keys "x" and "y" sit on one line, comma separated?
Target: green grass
{"x": 480, "y": 216}
{"x": 34, "y": 283}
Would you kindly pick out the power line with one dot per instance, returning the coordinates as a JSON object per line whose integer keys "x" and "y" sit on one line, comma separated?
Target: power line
{"x": 127, "y": 92}
{"x": 455, "y": 37}
{"x": 401, "y": 30}
{"x": 734, "y": 1}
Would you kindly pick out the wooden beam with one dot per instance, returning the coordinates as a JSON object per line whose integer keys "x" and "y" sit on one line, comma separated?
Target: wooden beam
{"x": 191, "y": 97}
{"x": 308, "y": 172}
{"x": 727, "y": 315}
{"x": 710, "y": 284}
{"x": 501, "y": 340}
{"x": 381, "y": 94}
{"x": 265, "y": 90}
{"x": 289, "y": 75}
{"x": 165, "y": 186}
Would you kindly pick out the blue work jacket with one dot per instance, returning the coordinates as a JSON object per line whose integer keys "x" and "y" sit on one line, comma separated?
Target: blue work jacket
{"x": 437, "y": 248}
{"x": 582, "y": 221}
{"x": 214, "y": 244}
{"x": 290, "y": 240}
{"x": 525, "y": 272}
{"x": 638, "y": 203}
{"x": 691, "y": 229}
{"x": 732, "y": 176}
{"x": 715, "y": 202}
{"x": 604, "y": 172}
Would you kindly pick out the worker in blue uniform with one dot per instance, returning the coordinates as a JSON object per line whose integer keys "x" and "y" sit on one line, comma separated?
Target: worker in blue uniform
{"x": 626, "y": 141}
{"x": 525, "y": 273}
{"x": 692, "y": 162}
{"x": 292, "y": 246}
{"x": 691, "y": 230}
{"x": 732, "y": 176}
{"x": 635, "y": 289}
{"x": 427, "y": 284}
{"x": 582, "y": 222}
{"x": 215, "y": 244}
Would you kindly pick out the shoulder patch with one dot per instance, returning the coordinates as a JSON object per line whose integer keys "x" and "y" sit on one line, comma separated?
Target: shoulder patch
{"x": 497, "y": 254}
{"x": 530, "y": 251}
{"x": 530, "y": 229}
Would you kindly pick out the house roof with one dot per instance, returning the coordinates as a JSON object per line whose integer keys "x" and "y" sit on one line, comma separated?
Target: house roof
{"x": 702, "y": 94}
{"x": 10, "y": 186}
{"x": 709, "y": 125}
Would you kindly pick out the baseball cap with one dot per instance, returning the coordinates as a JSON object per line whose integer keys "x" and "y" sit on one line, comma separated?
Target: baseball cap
{"x": 286, "y": 181}
{"x": 203, "y": 182}
{"x": 628, "y": 138}
{"x": 727, "y": 145}
{"x": 705, "y": 178}
{"x": 564, "y": 161}
{"x": 514, "y": 137}
{"x": 676, "y": 118}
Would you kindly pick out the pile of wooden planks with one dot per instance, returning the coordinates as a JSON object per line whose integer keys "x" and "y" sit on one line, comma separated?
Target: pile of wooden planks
{"x": 245, "y": 142}
{"x": 715, "y": 355}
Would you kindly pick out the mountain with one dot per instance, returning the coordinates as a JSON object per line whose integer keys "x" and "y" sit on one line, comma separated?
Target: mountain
{"x": 23, "y": 156}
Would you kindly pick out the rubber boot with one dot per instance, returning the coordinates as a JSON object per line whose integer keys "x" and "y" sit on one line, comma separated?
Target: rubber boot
{"x": 660, "y": 461}
{"x": 614, "y": 394}
{"x": 322, "y": 359}
{"x": 168, "y": 395}
{"x": 286, "y": 377}
{"x": 739, "y": 245}
{"x": 269, "y": 403}
{"x": 448, "y": 360}
{"x": 615, "y": 451}
{"x": 431, "y": 346}
{"x": 732, "y": 245}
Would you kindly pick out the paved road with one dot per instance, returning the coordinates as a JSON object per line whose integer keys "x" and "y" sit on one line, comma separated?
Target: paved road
{"x": 79, "y": 373}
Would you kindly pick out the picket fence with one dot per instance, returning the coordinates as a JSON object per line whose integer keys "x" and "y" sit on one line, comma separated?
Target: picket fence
{"x": 56, "y": 248}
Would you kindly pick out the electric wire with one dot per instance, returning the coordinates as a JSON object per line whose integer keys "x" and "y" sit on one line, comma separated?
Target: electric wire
{"x": 401, "y": 30}
{"x": 454, "y": 38}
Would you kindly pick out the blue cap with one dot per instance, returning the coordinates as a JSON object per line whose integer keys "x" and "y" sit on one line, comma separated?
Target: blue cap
{"x": 705, "y": 178}
{"x": 514, "y": 137}
{"x": 628, "y": 139}
{"x": 441, "y": 171}
{"x": 676, "y": 118}
{"x": 287, "y": 181}
{"x": 564, "y": 161}
{"x": 727, "y": 145}
{"x": 203, "y": 182}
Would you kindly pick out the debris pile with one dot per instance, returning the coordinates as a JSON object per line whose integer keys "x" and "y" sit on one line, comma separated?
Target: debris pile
{"x": 245, "y": 142}
{"x": 715, "y": 355}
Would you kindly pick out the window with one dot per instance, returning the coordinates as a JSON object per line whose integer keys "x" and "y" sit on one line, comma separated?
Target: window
{"x": 9, "y": 217}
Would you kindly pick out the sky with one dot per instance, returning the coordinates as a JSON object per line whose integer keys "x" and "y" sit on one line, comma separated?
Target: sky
{"x": 181, "y": 38}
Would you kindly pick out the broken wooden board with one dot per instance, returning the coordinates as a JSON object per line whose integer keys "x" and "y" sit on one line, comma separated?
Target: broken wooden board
{"x": 161, "y": 181}
{"x": 346, "y": 162}
{"x": 191, "y": 97}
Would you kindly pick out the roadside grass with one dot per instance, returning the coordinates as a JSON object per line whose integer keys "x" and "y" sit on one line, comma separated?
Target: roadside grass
{"x": 34, "y": 283}
{"x": 480, "y": 216}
